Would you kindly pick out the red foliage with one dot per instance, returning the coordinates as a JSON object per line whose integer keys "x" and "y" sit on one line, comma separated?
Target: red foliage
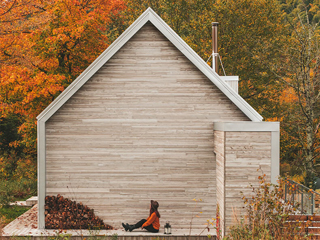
{"x": 62, "y": 213}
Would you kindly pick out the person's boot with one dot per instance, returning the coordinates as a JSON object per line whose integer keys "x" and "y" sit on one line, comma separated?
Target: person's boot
{"x": 131, "y": 227}
{"x": 125, "y": 226}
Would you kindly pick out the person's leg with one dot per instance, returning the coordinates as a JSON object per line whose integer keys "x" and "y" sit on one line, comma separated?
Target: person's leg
{"x": 125, "y": 226}
{"x": 140, "y": 223}
{"x": 137, "y": 225}
{"x": 151, "y": 229}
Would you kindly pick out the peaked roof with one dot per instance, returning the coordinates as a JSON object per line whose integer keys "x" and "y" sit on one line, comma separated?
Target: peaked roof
{"x": 149, "y": 15}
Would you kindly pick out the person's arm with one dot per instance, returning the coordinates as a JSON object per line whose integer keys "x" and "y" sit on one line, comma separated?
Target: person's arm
{"x": 150, "y": 220}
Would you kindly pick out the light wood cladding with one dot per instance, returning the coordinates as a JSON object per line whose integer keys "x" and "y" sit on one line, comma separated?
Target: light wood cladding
{"x": 245, "y": 153}
{"x": 219, "y": 149}
{"x": 140, "y": 129}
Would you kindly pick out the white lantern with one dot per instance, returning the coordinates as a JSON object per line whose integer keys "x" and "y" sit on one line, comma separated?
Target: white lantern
{"x": 167, "y": 228}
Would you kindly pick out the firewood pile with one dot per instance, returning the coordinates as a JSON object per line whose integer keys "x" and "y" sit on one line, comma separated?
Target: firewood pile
{"x": 62, "y": 213}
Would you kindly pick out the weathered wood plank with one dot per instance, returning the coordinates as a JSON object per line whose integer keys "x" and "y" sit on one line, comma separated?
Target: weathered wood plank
{"x": 140, "y": 129}
{"x": 245, "y": 152}
{"x": 219, "y": 148}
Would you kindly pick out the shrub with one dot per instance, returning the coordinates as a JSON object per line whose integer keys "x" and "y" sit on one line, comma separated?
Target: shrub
{"x": 10, "y": 213}
{"x": 267, "y": 215}
{"x": 12, "y": 190}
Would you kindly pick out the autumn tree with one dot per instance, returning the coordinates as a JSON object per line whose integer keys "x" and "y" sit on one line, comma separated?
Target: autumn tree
{"x": 300, "y": 71}
{"x": 250, "y": 32}
{"x": 44, "y": 45}
{"x": 310, "y": 8}
{"x": 250, "y": 36}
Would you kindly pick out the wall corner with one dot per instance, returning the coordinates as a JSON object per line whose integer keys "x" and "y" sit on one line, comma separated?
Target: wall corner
{"x": 41, "y": 157}
{"x": 275, "y": 155}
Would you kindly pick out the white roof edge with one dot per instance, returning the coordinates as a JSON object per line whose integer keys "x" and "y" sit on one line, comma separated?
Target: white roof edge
{"x": 246, "y": 126}
{"x": 150, "y": 15}
{"x": 205, "y": 68}
{"x": 94, "y": 67}
{"x": 230, "y": 78}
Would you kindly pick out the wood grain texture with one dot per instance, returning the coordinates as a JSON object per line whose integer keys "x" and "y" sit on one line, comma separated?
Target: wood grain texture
{"x": 25, "y": 227}
{"x": 245, "y": 153}
{"x": 140, "y": 129}
{"x": 219, "y": 149}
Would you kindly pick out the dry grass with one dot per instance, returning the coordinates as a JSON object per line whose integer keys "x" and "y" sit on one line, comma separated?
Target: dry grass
{"x": 267, "y": 216}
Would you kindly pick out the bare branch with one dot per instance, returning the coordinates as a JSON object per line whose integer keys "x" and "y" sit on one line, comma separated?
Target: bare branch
{"x": 10, "y": 8}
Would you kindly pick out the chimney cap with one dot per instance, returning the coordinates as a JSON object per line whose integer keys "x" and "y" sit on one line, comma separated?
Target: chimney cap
{"x": 215, "y": 24}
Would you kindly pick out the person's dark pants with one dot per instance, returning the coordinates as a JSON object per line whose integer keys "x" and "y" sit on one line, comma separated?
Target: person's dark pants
{"x": 148, "y": 228}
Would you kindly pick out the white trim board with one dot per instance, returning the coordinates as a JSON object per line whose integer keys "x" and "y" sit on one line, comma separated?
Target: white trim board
{"x": 247, "y": 126}
{"x": 41, "y": 142}
{"x": 273, "y": 127}
{"x": 150, "y": 15}
{"x": 275, "y": 156}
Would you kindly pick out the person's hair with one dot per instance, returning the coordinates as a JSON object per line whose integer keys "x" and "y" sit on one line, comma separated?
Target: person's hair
{"x": 154, "y": 208}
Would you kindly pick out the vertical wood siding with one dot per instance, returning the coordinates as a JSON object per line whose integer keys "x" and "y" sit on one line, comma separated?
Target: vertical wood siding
{"x": 140, "y": 129}
{"x": 245, "y": 152}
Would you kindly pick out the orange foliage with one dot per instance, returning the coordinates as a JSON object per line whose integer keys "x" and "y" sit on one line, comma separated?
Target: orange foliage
{"x": 48, "y": 35}
{"x": 25, "y": 93}
{"x": 44, "y": 45}
{"x": 288, "y": 95}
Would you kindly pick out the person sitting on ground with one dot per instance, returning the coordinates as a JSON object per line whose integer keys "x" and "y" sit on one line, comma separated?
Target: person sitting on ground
{"x": 151, "y": 224}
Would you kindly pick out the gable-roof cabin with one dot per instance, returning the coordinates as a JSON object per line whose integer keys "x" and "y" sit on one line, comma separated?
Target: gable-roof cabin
{"x": 149, "y": 119}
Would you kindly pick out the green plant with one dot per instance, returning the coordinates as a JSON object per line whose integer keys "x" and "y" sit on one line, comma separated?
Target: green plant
{"x": 20, "y": 238}
{"x": 94, "y": 234}
{"x": 1, "y": 226}
{"x": 114, "y": 236}
{"x": 12, "y": 190}
{"x": 267, "y": 215}
{"x": 60, "y": 235}
{"x": 9, "y": 213}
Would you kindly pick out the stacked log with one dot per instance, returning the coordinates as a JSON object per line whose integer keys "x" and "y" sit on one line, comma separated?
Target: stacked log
{"x": 62, "y": 213}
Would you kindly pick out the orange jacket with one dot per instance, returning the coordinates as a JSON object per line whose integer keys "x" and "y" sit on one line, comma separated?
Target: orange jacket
{"x": 154, "y": 220}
